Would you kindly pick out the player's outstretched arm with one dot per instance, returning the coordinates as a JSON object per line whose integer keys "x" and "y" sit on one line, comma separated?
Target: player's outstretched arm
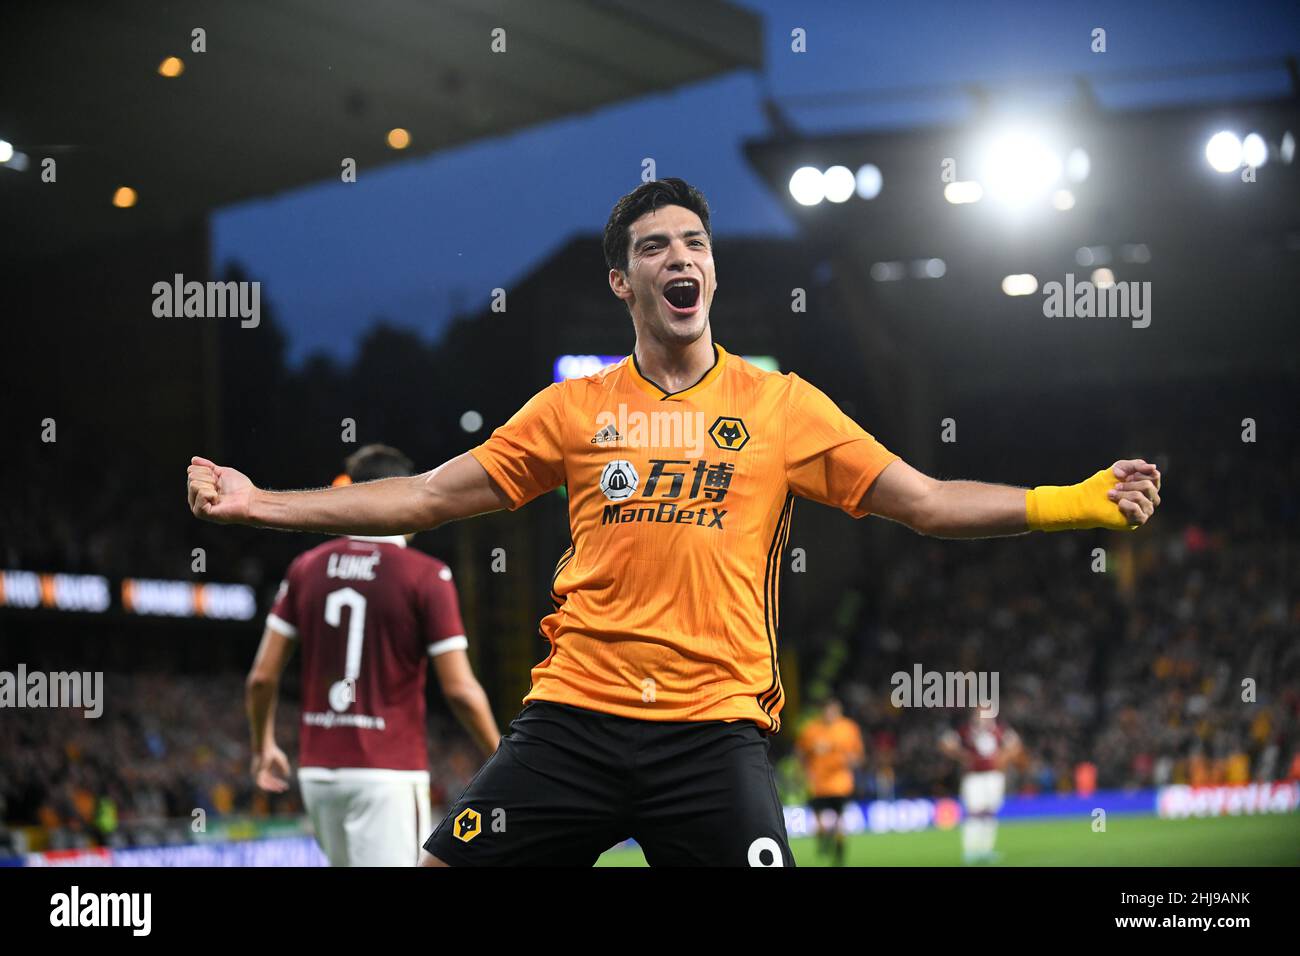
{"x": 1120, "y": 498}
{"x": 457, "y": 489}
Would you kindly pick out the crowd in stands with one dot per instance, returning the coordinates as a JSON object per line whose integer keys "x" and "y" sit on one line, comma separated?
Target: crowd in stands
{"x": 1179, "y": 663}
{"x": 166, "y": 746}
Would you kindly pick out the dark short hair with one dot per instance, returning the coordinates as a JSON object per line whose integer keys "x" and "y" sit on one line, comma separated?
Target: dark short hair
{"x": 378, "y": 461}
{"x": 646, "y": 198}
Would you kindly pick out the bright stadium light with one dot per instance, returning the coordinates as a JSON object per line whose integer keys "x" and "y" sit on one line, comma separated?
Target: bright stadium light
{"x": 935, "y": 268}
{"x": 1019, "y": 167}
{"x": 808, "y": 186}
{"x": 963, "y": 192}
{"x": 1287, "y": 149}
{"x": 471, "y": 421}
{"x": 869, "y": 180}
{"x": 1254, "y": 151}
{"x": 1103, "y": 278}
{"x": 1092, "y": 255}
{"x": 6, "y": 151}
{"x": 1078, "y": 165}
{"x": 1063, "y": 199}
{"x": 838, "y": 182}
{"x": 1135, "y": 252}
{"x": 1020, "y": 284}
{"x": 1224, "y": 151}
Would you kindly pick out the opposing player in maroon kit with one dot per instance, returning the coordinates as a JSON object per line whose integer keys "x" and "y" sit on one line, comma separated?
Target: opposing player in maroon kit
{"x": 985, "y": 747}
{"x": 367, "y": 611}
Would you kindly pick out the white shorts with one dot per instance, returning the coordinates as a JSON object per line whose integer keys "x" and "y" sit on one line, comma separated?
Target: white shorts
{"x": 368, "y": 817}
{"x": 982, "y": 792}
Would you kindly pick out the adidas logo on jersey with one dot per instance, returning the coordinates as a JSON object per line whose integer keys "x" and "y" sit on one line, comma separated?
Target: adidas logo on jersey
{"x": 606, "y": 434}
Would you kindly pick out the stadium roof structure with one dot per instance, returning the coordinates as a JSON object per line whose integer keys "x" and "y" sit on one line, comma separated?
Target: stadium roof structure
{"x": 286, "y": 89}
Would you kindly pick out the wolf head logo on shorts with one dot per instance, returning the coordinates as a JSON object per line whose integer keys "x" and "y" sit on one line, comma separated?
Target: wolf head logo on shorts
{"x": 468, "y": 825}
{"x": 619, "y": 480}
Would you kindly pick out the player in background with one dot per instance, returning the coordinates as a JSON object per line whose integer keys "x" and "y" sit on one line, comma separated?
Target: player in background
{"x": 366, "y": 610}
{"x": 984, "y": 747}
{"x": 830, "y": 748}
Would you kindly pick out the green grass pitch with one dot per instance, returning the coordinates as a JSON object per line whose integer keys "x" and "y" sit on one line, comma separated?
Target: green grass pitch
{"x": 1129, "y": 840}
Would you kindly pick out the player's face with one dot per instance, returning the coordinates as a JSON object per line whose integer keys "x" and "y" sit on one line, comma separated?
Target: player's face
{"x": 670, "y": 280}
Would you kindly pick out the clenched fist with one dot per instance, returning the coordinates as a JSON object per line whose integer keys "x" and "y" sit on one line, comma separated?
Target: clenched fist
{"x": 218, "y": 494}
{"x": 1121, "y": 497}
{"x": 1137, "y": 491}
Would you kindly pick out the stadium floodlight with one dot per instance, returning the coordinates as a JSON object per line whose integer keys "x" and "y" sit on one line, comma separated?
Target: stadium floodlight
{"x": 962, "y": 192}
{"x": 1078, "y": 165}
{"x": 808, "y": 186}
{"x": 839, "y": 183}
{"x": 171, "y": 67}
{"x": 1020, "y": 284}
{"x": 1092, "y": 255}
{"x": 1254, "y": 151}
{"x": 1135, "y": 252}
{"x": 933, "y": 268}
{"x": 1287, "y": 149}
{"x": 1224, "y": 151}
{"x": 1063, "y": 199}
{"x": 124, "y": 198}
{"x": 471, "y": 421}
{"x": 1103, "y": 278}
{"x": 398, "y": 138}
{"x": 1019, "y": 167}
{"x": 869, "y": 180}
{"x": 6, "y": 151}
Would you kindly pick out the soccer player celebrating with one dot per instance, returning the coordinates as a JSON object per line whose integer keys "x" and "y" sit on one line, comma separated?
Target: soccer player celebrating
{"x": 830, "y": 747}
{"x": 649, "y": 716}
{"x": 984, "y": 747}
{"x": 366, "y": 610}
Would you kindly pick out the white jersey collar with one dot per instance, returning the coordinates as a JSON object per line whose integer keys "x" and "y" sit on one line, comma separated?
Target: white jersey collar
{"x": 397, "y": 539}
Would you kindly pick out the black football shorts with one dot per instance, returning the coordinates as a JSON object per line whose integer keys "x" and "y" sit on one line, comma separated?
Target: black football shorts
{"x": 568, "y": 783}
{"x": 818, "y": 805}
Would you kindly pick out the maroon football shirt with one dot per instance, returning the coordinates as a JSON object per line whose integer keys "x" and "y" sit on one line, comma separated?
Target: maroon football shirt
{"x": 983, "y": 746}
{"x": 366, "y": 611}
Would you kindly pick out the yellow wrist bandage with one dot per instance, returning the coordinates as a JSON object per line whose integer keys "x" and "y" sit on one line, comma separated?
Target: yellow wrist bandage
{"x": 1074, "y": 507}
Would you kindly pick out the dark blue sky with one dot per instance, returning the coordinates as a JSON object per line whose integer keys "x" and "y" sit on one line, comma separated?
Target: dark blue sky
{"x": 409, "y": 241}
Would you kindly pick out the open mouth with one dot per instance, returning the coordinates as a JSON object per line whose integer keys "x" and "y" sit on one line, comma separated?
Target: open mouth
{"x": 682, "y": 294}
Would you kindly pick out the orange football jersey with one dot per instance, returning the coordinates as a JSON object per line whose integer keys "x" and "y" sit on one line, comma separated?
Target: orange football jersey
{"x": 666, "y": 602}
{"x": 829, "y": 752}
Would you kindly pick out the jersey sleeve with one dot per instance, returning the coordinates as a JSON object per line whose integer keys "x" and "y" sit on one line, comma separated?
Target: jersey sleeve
{"x": 525, "y": 456}
{"x": 829, "y": 458}
{"x": 283, "y": 616}
{"x": 440, "y": 612}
